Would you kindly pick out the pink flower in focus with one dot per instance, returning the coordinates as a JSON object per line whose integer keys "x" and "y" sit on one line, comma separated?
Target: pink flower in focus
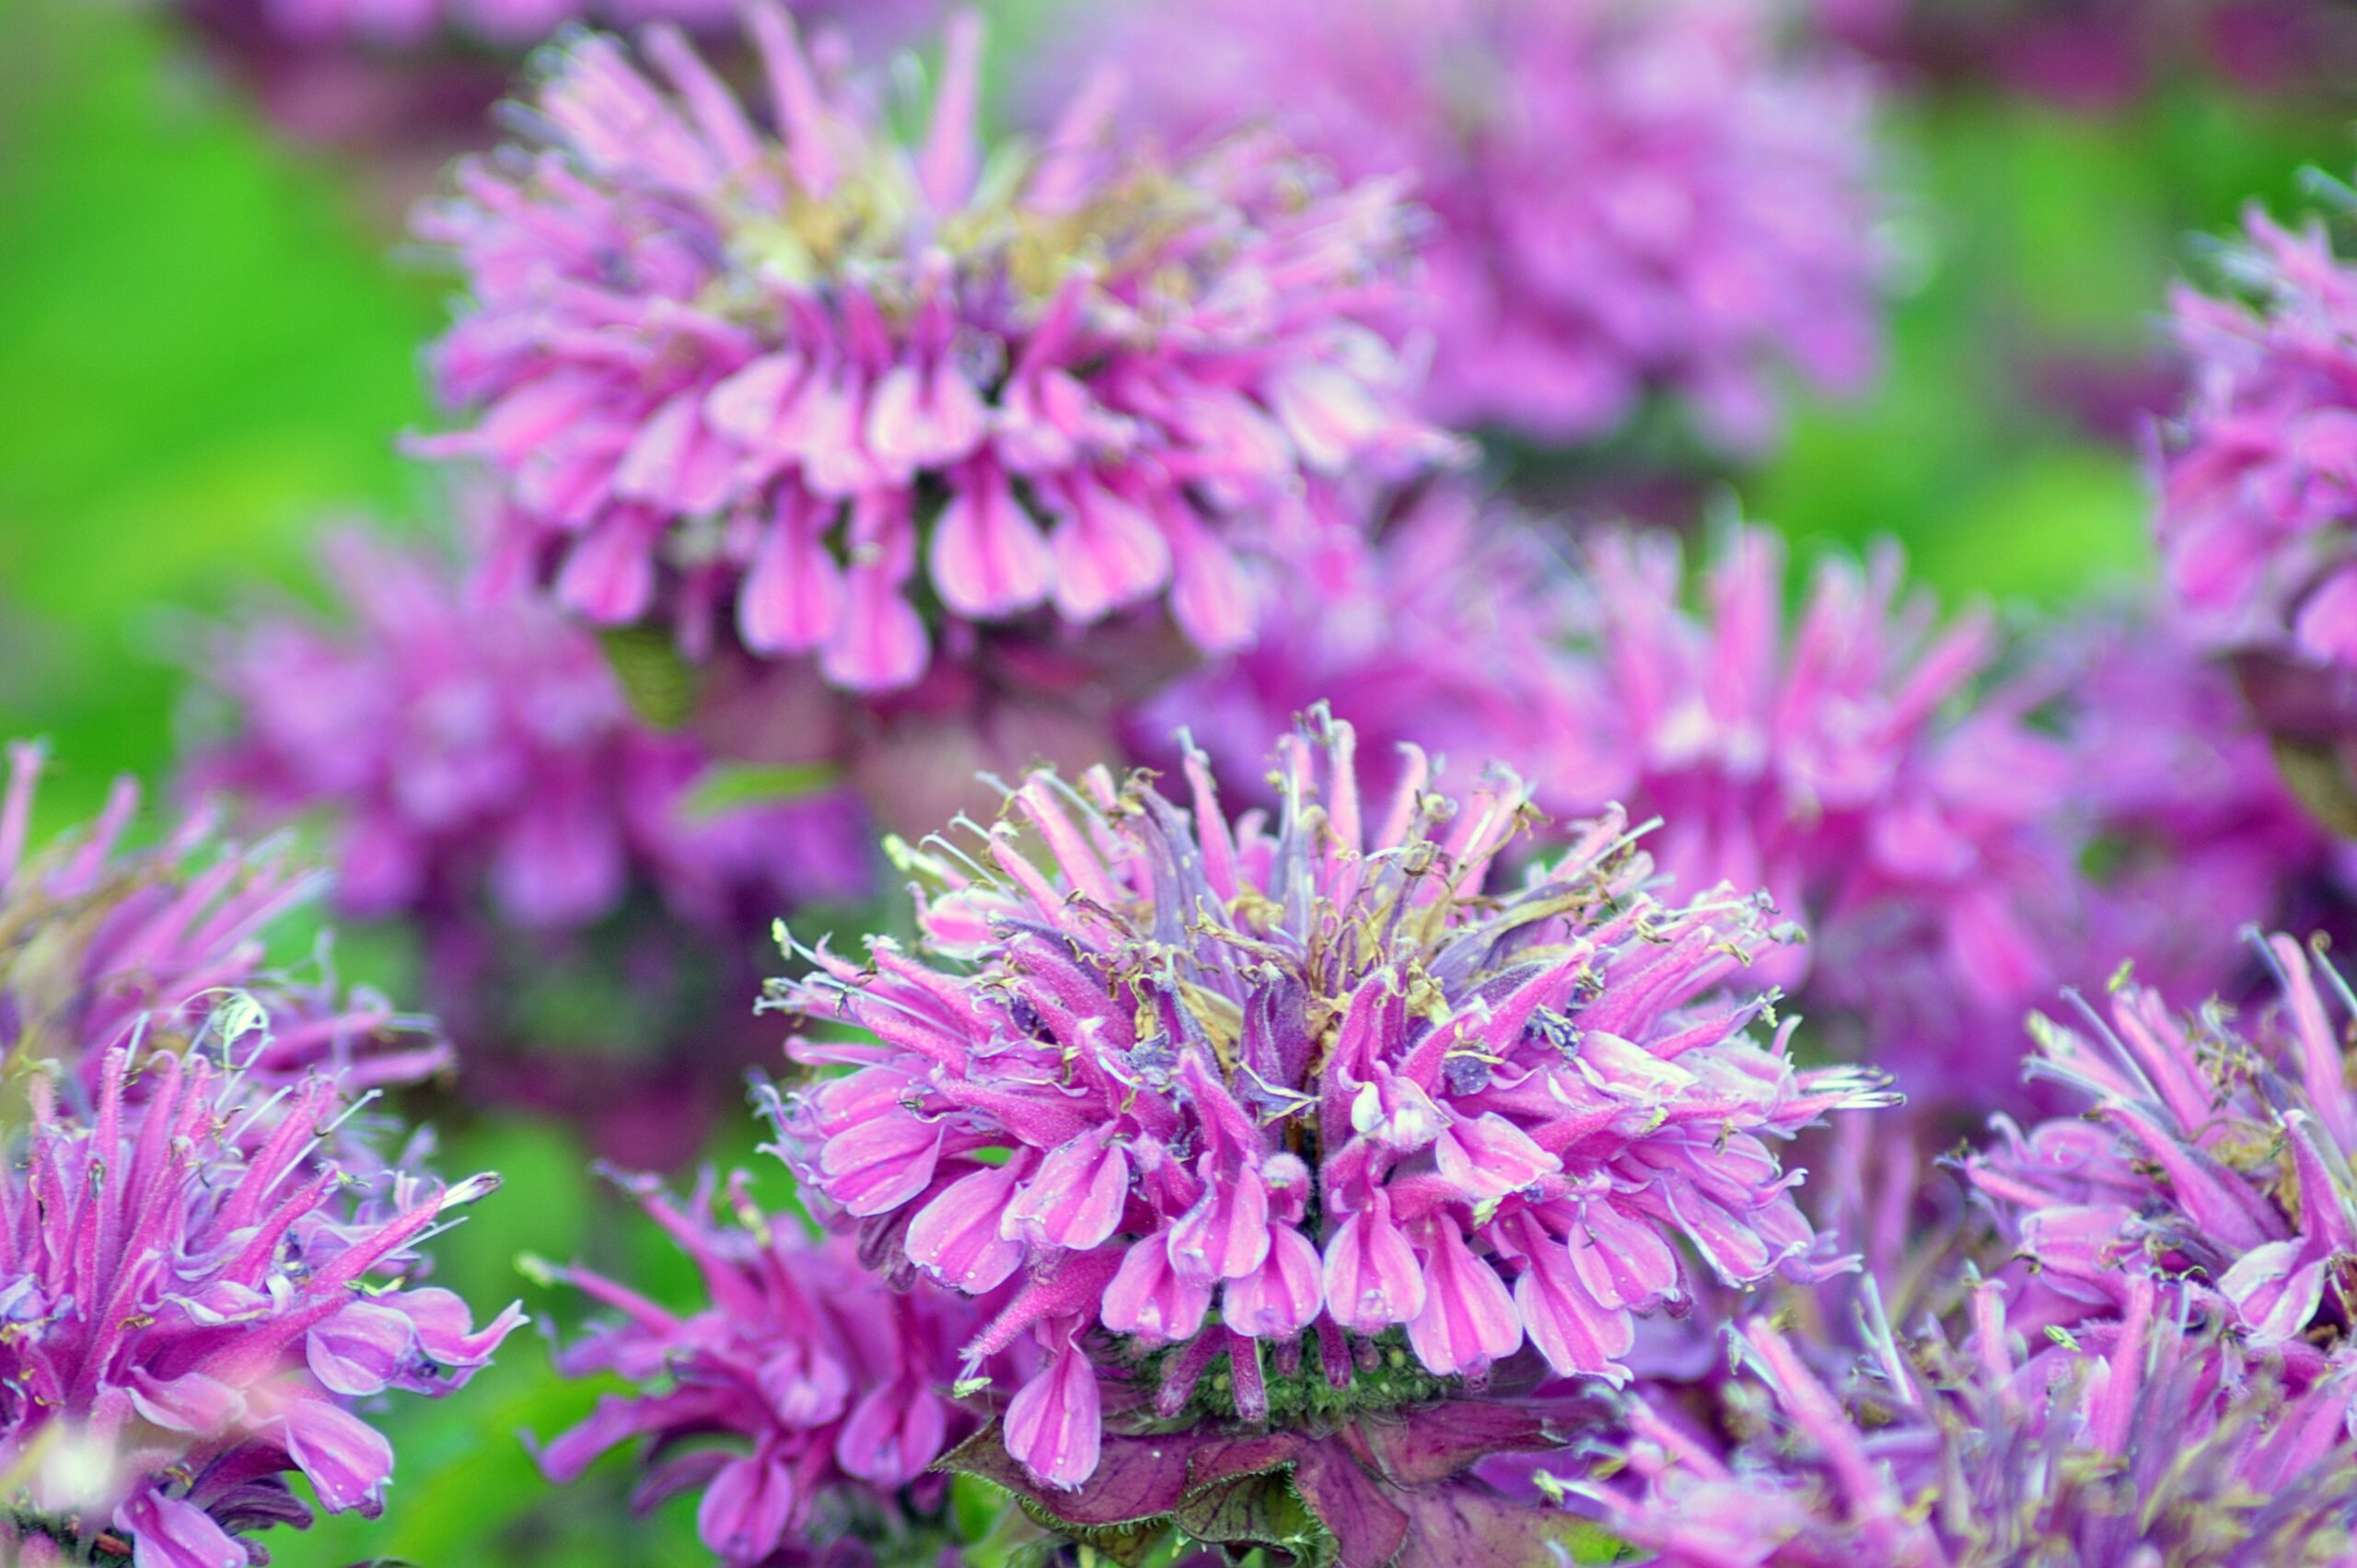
{"x": 1635, "y": 196}
{"x": 1978, "y": 1442}
{"x": 1391, "y": 1120}
{"x": 2206, "y": 1156}
{"x": 831, "y": 1390}
{"x": 806, "y": 378}
{"x": 193, "y": 1315}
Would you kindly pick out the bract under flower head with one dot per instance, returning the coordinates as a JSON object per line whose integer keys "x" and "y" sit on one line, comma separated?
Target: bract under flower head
{"x": 1318, "y": 1100}
{"x": 1635, "y": 196}
{"x": 1824, "y": 759}
{"x": 163, "y": 949}
{"x": 2144, "y": 1441}
{"x": 192, "y": 1315}
{"x": 716, "y": 365}
{"x": 829, "y": 1389}
{"x": 2215, "y": 1154}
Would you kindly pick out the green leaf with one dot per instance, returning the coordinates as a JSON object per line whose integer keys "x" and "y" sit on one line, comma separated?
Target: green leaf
{"x": 659, "y": 685}
{"x": 730, "y": 787}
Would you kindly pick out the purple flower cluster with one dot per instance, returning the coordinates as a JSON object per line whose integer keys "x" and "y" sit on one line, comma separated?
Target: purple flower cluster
{"x": 814, "y": 373}
{"x": 1324, "y": 1080}
{"x": 2146, "y": 1440}
{"x": 1633, "y": 198}
{"x": 2214, "y": 1155}
{"x": 485, "y": 776}
{"x": 193, "y": 1314}
{"x": 2257, "y": 515}
{"x": 831, "y": 1389}
{"x": 477, "y": 749}
{"x": 104, "y": 948}
{"x": 1825, "y": 758}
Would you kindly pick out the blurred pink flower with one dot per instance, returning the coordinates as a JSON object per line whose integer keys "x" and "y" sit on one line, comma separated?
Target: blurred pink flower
{"x": 590, "y": 907}
{"x": 2258, "y": 517}
{"x": 478, "y": 751}
{"x": 1634, "y": 196}
{"x": 2145, "y": 1440}
{"x": 1851, "y": 761}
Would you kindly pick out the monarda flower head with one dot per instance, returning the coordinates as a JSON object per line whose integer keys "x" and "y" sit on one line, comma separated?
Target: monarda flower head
{"x": 578, "y": 877}
{"x": 104, "y": 946}
{"x": 2148, "y": 1440}
{"x": 1635, "y": 197}
{"x": 830, "y": 1392}
{"x": 2257, "y": 518}
{"x": 2214, "y": 1155}
{"x": 479, "y": 754}
{"x": 1840, "y": 759}
{"x": 1289, "y": 1131}
{"x": 193, "y": 1314}
{"x": 790, "y": 368}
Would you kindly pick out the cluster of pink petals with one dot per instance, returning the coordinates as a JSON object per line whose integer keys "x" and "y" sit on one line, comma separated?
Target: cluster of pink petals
{"x": 193, "y": 1315}
{"x": 1634, "y": 196}
{"x": 476, "y": 751}
{"x": 2141, "y": 1441}
{"x": 1320, "y": 1075}
{"x": 2258, "y": 515}
{"x": 827, "y": 1390}
{"x": 822, "y": 376}
{"x": 2214, "y": 1155}
{"x": 104, "y": 946}
{"x": 1824, "y": 758}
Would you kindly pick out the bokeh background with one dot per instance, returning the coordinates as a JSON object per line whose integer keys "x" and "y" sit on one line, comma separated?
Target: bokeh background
{"x": 211, "y": 335}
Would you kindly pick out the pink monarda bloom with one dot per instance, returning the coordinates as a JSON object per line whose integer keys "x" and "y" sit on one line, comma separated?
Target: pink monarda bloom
{"x": 830, "y": 1391}
{"x": 1288, "y": 1128}
{"x": 1843, "y": 759}
{"x": 482, "y": 773}
{"x": 479, "y": 754}
{"x": 104, "y": 946}
{"x": 2258, "y": 517}
{"x": 1635, "y": 196}
{"x": 193, "y": 1314}
{"x": 2147, "y": 1440}
{"x": 819, "y": 375}
{"x": 2206, "y": 1159}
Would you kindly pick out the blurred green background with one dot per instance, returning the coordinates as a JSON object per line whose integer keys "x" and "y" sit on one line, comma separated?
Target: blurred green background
{"x": 210, "y": 343}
